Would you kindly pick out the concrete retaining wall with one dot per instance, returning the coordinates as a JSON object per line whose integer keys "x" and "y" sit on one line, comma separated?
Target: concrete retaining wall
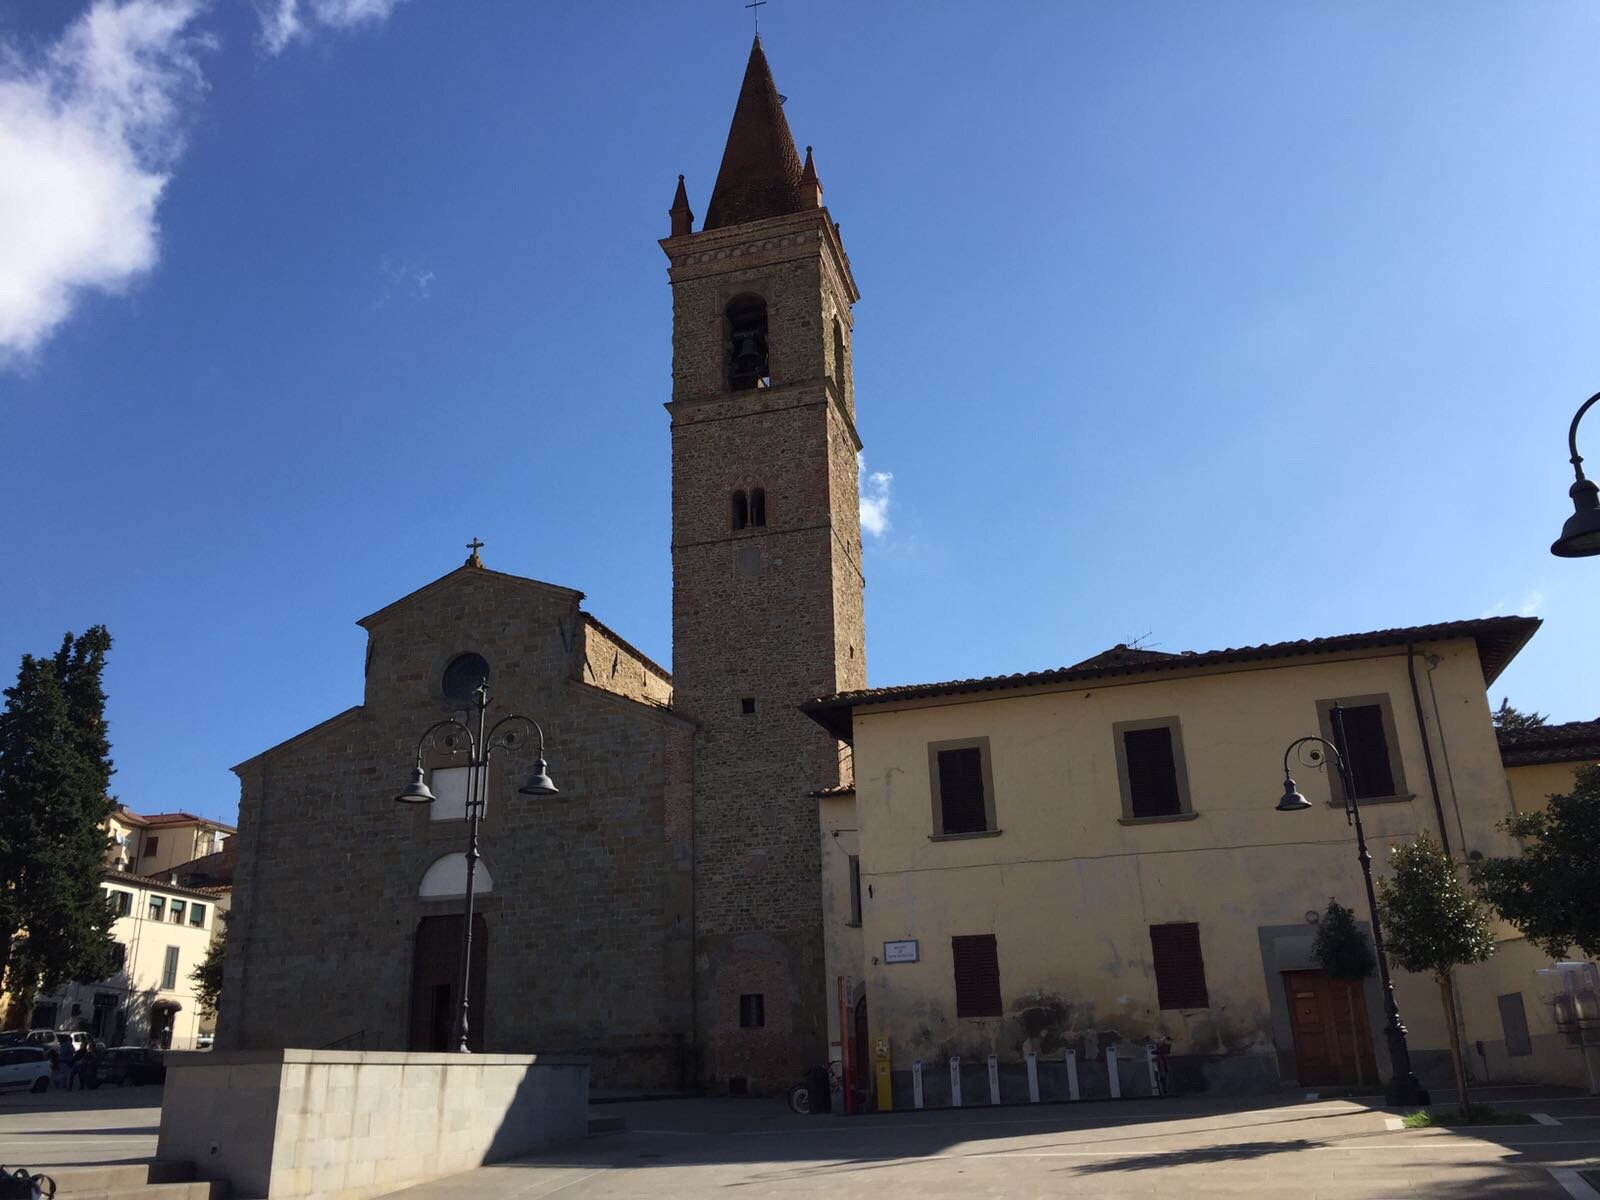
{"x": 351, "y": 1124}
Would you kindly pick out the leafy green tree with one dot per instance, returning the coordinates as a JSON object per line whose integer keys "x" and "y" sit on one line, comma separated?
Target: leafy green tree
{"x": 208, "y": 975}
{"x": 1514, "y": 721}
{"x": 55, "y": 767}
{"x": 1344, "y": 952}
{"x": 1433, "y": 923}
{"x": 1551, "y": 891}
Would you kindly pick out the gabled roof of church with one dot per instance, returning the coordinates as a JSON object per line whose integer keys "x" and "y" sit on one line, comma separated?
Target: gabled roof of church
{"x": 1498, "y": 638}
{"x": 761, "y": 174}
{"x": 476, "y": 572}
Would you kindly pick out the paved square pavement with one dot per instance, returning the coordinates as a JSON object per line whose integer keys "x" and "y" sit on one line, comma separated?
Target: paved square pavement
{"x": 1308, "y": 1149}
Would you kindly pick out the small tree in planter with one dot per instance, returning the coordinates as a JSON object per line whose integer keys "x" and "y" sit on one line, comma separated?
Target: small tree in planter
{"x": 1433, "y": 924}
{"x": 1344, "y": 952}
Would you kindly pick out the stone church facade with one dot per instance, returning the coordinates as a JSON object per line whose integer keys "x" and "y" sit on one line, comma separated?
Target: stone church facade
{"x": 663, "y": 912}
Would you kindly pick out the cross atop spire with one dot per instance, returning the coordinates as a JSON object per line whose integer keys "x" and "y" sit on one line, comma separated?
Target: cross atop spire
{"x": 761, "y": 173}
{"x": 474, "y": 559}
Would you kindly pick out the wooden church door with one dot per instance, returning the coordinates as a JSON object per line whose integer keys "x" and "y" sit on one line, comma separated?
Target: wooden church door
{"x": 436, "y": 979}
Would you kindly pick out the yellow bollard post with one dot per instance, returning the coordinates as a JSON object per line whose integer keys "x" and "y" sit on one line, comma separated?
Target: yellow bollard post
{"x": 882, "y": 1068}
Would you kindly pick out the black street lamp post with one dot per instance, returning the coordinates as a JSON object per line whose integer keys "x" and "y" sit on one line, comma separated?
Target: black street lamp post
{"x": 480, "y": 749}
{"x": 1404, "y": 1087}
{"x": 1580, "y": 536}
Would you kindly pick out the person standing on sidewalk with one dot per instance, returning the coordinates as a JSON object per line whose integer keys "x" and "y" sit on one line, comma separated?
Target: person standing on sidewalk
{"x": 68, "y": 1058}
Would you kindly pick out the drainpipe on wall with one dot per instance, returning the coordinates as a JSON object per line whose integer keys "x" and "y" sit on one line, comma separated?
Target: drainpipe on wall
{"x": 1433, "y": 660}
{"x": 1427, "y": 745}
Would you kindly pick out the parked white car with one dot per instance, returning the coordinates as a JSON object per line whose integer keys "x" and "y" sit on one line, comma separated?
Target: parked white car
{"x": 49, "y": 1039}
{"x": 25, "y": 1067}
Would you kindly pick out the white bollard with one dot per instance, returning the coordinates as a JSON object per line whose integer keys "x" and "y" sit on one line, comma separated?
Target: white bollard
{"x": 1150, "y": 1063}
{"x": 1111, "y": 1073}
{"x": 955, "y": 1081}
{"x": 1072, "y": 1075}
{"x": 1033, "y": 1078}
{"x": 916, "y": 1083}
{"x": 994, "y": 1080}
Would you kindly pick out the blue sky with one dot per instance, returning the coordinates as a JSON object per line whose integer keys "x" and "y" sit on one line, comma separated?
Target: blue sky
{"x": 1207, "y": 324}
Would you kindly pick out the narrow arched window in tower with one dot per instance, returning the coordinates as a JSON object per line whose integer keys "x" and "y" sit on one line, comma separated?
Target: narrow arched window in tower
{"x": 741, "y": 509}
{"x": 758, "y": 506}
{"x": 747, "y": 343}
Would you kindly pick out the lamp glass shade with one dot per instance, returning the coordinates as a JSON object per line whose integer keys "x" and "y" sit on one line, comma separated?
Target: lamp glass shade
{"x": 1580, "y": 536}
{"x": 539, "y": 783}
{"x": 416, "y": 792}
{"x": 1291, "y": 800}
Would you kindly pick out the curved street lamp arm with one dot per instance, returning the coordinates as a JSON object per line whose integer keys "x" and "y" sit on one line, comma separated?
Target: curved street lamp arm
{"x": 1338, "y": 759}
{"x": 448, "y": 722}
{"x": 1572, "y": 434}
{"x": 490, "y": 744}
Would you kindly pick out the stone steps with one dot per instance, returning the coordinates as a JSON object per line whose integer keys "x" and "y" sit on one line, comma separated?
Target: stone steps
{"x": 153, "y": 1180}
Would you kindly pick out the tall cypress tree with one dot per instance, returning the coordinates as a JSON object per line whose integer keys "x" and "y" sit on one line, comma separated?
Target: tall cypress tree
{"x": 55, "y": 768}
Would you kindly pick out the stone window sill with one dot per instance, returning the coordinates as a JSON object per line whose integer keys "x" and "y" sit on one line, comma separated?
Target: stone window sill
{"x": 1366, "y": 800}
{"x": 1159, "y": 820}
{"x": 956, "y": 837}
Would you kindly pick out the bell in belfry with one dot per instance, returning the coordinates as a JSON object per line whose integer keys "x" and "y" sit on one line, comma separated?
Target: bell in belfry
{"x": 749, "y": 355}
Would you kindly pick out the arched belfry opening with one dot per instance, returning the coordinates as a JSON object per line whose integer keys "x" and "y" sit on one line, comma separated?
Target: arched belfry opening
{"x": 758, "y": 507}
{"x": 747, "y": 343}
{"x": 740, "y": 509}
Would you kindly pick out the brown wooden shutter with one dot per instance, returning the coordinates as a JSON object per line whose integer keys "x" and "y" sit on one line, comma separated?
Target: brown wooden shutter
{"x": 961, "y": 802}
{"x": 977, "y": 964}
{"x": 1368, "y": 748}
{"x": 1180, "y": 971}
{"x": 1152, "y": 773}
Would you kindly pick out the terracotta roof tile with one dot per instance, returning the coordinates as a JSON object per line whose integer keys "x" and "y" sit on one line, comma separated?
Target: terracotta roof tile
{"x": 1498, "y": 638}
{"x": 1574, "y": 741}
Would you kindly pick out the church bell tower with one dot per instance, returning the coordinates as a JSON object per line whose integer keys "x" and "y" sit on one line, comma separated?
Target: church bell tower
{"x": 766, "y": 579}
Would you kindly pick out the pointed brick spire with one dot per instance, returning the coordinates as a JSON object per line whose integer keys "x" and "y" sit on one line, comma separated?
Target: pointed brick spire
{"x": 680, "y": 212}
{"x": 810, "y": 185}
{"x": 761, "y": 174}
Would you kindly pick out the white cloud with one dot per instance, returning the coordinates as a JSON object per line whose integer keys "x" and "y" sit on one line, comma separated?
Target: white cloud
{"x": 874, "y": 500}
{"x": 404, "y": 280}
{"x": 284, "y": 20}
{"x": 88, "y": 136}
{"x": 1532, "y": 604}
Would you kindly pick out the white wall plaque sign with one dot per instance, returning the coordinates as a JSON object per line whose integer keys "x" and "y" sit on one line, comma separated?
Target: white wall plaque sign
{"x": 900, "y": 952}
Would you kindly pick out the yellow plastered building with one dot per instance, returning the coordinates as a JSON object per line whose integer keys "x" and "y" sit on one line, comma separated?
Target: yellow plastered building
{"x": 1090, "y": 859}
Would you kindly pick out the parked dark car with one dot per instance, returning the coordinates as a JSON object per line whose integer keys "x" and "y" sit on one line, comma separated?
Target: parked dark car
{"x": 137, "y": 1065}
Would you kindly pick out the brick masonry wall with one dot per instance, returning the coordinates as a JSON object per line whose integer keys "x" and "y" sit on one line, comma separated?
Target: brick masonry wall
{"x": 589, "y": 924}
{"x": 774, "y": 614}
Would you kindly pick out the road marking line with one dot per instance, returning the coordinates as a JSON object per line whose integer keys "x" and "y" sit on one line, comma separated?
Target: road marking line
{"x": 1544, "y": 1118}
{"x": 1394, "y": 1123}
{"x": 1574, "y": 1183}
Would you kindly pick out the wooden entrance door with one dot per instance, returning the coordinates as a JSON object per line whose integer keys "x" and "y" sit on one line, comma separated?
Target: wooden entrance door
{"x": 1332, "y": 1036}
{"x": 435, "y": 978}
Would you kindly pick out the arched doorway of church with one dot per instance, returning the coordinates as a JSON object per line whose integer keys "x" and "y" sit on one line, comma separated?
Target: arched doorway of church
{"x": 436, "y": 983}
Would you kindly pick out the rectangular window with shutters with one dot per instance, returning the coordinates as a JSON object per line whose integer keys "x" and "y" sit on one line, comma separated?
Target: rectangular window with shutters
{"x": 1180, "y": 971}
{"x": 1150, "y": 770}
{"x": 1372, "y": 748}
{"x": 169, "y": 971}
{"x": 977, "y": 970}
{"x": 963, "y": 788}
